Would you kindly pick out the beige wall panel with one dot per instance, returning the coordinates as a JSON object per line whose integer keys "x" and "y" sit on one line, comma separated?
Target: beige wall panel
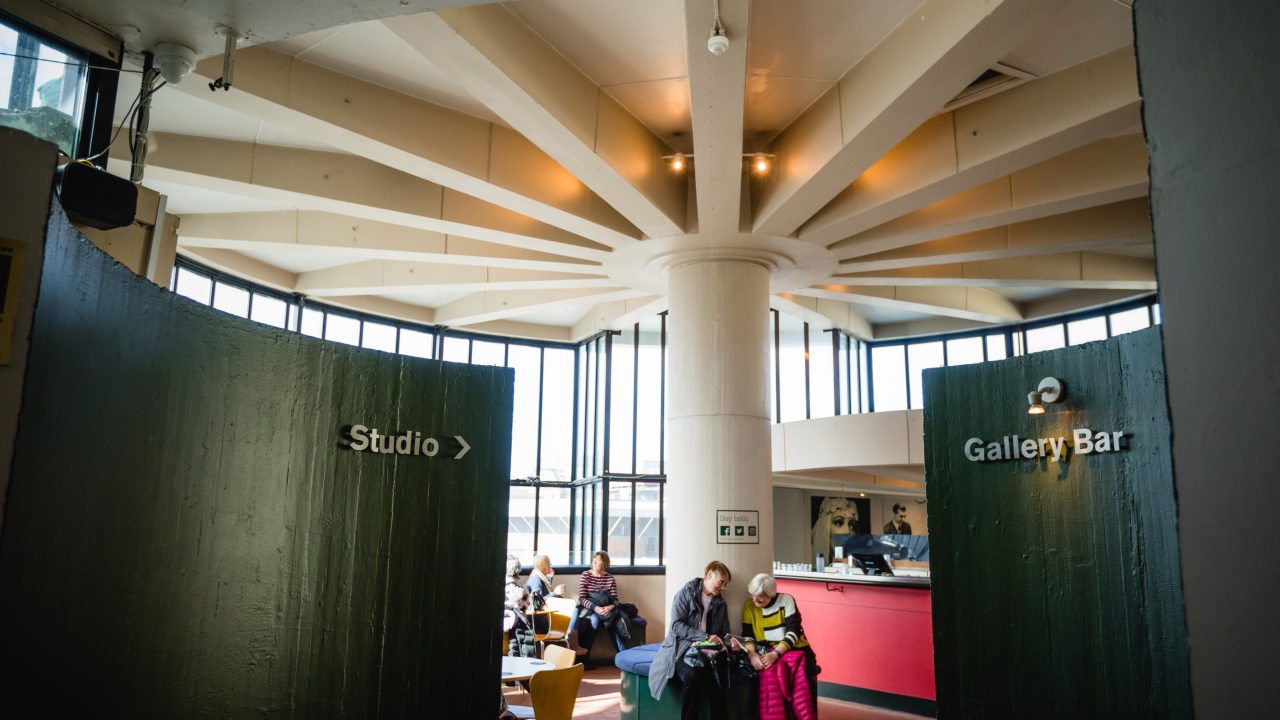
{"x": 127, "y": 245}
{"x": 808, "y": 144}
{"x": 1130, "y": 219}
{"x": 646, "y": 592}
{"x": 443, "y": 137}
{"x": 1029, "y": 114}
{"x": 979, "y": 241}
{"x": 389, "y": 308}
{"x": 531, "y": 331}
{"x": 226, "y": 159}
{"x": 524, "y": 169}
{"x": 881, "y": 438}
{"x": 260, "y": 73}
{"x": 635, "y": 153}
{"x": 342, "y": 231}
{"x": 271, "y": 227}
{"x": 234, "y": 263}
{"x": 531, "y": 63}
{"x": 345, "y": 177}
{"x": 915, "y": 437}
{"x": 469, "y": 210}
{"x": 166, "y": 252}
{"x": 1106, "y": 164}
{"x": 1101, "y": 266}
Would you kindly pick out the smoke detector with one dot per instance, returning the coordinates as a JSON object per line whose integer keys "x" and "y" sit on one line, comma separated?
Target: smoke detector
{"x": 175, "y": 61}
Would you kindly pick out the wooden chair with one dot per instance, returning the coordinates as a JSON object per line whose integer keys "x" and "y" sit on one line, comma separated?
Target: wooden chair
{"x": 561, "y": 657}
{"x": 554, "y": 693}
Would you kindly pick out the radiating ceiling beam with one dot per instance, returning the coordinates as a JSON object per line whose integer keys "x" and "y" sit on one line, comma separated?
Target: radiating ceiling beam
{"x": 349, "y": 185}
{"x": 489, "y": 306}
{"x": 978, "y": 143}
{"x": 379, "y": 277}
{"x": 936, "y": 51}
{"x": 453, "y": 149}
{"x": 531, "y": 86}
{"x": 966, "y": 303}
{"x": 310, "y": 232}
{"x": 717, "y": 92}
{"x": 1076, "y": 271}
{"x": 824, "y": 313}
{"x": 233, "y": 263}
{"x": 1119, "y": 225}
{"x": 1106, "y": 171}
{"x": 617, "y": 315}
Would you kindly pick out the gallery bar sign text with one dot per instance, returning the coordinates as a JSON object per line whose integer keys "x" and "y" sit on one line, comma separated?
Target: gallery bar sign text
{"x": 1011, "y": 447}
{"x": 411, "y": 442}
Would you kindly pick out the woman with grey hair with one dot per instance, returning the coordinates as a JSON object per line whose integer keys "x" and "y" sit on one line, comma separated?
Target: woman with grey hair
{"x": 777, "y": 648}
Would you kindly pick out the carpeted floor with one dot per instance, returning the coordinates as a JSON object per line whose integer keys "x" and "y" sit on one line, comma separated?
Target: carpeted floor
{"x": 598, "y": 700}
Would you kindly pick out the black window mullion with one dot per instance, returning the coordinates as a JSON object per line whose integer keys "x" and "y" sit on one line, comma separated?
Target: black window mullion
{"x": 635, "y": 394}
{"x": 542, "y": 391}
{"x": 835, "y": 369}
{"x": 537, "y": 514}
{"x": 662, "y": 400}
{"x": 608, "y": 405}
{"x": 662, "y": 522}
{"x": 777, "y": 369}
{"x": 906, "y": 371}
{"x": 573, "y": 450}
{"x": 633, "y": 522}
{"x": 871, "y": 381}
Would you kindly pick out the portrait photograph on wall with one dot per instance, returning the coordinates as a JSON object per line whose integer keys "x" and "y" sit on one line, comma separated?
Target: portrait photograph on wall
{"x": 832, "y": 516}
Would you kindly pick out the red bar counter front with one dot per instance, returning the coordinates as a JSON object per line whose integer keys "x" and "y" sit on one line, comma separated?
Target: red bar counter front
{"x": 874, "y": 636}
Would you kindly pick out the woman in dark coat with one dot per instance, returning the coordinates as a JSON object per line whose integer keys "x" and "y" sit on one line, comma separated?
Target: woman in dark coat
{"x": 698, "y": 613}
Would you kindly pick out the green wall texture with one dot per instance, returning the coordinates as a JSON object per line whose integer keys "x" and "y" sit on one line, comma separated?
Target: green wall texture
{"x": 186, "y": 537}
{"x": 1056, "y": 586}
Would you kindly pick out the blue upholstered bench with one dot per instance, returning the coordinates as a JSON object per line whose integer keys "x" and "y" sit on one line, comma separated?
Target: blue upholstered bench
{"x": 638, "y": 704}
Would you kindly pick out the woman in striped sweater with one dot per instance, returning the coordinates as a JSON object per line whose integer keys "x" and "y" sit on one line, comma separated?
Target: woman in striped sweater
{"x": 598, "y": 596}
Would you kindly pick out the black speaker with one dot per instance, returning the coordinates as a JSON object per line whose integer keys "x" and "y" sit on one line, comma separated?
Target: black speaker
{"x": 95, "y": 197}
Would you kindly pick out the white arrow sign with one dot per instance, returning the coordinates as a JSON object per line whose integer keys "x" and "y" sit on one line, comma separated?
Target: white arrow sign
{"x": 361, "y": 438}
{"x": 465, "y": 447}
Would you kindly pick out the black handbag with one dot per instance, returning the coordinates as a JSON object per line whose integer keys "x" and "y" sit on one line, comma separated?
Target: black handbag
{"x": 740, "y": 667}
{"x": 600, "y": 598}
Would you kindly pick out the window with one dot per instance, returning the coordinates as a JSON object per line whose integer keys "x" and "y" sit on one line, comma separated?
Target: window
{"x": 269, "y": 311}
{"x": 312, "y": 322}
{"x": 1049, "y": 337}
{"x": 377, "y": 336}
{"x": 526, "y": 362}
{"x": 792, "y": 369}
{"x": 416, "y": 343}
{"x": 557, "y": 415}
{"x": 341, "y": 328}
{"x": 921, "y": 357}
{"x": 888, "y": 371}
{"x": 650, "y": 371}
{"x": 42, "y": 89}
{"x": 996, "y": 348}
{"x": 231, "y": 299}
{"x": 1086, "y": 330}
{"x": 822, "y": 375}
{"x": 622, "y": 365}
{"x": 1130, "y": 320}
{"x": 196, "y": 287}
{"x": 456, "y": 349}
{"x": 965, "y": 351}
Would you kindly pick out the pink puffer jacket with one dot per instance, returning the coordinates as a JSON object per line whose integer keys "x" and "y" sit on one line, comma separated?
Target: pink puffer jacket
{"x": 784, "y": 690}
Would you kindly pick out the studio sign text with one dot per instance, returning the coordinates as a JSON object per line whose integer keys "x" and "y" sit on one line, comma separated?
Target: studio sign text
{"x": 1083, "y": 442}
{"x": 365, "y": 439}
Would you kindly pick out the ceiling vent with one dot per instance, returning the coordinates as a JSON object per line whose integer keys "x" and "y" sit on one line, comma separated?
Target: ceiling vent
{"x": 996, "y": 79}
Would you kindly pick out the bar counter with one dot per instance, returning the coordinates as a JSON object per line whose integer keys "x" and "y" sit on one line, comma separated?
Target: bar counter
{"x": 873, "y": 637}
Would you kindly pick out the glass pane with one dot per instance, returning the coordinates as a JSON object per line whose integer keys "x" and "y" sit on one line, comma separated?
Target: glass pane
{"x": 791, "y": 360}
{"x": 597, "y": 517}
{"x": 415, "y": 343}
{"x": 848, "y": 396}
{"x": 520, "y": 524}
{"x": 41, "y": 89}
{"x": 622, "y": 385}
{"x": 377, "y": 336}
{"x": 291, "y": 317}
{"x": 196, "y": 287}
{"x": 488, "y": 353}
{"x": 269, "y": 310}
{"x": 1155, "y": 313}
{"x": 231, "y": 299}
{"x": 579, "y": 552}
{"x": 343, "y": 329}
{"x": 1049, "y": 337}
{"x": 557, "y": 414}
{"x": 888, "y": 369}
{"x": 995, "y": 347}
{"x": 620, "y": 522}
{"x": 584, "y": 389}
{"x": 822, "y": 379}
{"x": 456, "y": 349}
{"x": 312, "y": 322}
{"x": 921, "y": 357}
{"x": 648, "y": 504}
{"x": 649, "y": 399}
{"x": 524, "y": 422}
{"x": 1087, "y": 330}
{"x": 965, "y": 351}
{"x": 1129, "y": 320}
{"x": 553, "y": 524}
{"x": 600, "y": 370}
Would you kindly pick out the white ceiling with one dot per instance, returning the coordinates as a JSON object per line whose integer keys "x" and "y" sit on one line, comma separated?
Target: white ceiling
{"x": 635, "y": 52}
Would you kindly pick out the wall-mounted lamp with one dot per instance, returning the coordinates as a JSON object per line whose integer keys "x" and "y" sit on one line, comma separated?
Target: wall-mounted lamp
{"x": 1050, "y": 390}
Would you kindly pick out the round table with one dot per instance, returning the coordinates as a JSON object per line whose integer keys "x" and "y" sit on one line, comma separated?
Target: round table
{"x": 522, "y": 668}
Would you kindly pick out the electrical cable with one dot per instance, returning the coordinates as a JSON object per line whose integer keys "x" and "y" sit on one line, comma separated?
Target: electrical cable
{"x": 129, "y": 115}
{"x": 70, "y": 62}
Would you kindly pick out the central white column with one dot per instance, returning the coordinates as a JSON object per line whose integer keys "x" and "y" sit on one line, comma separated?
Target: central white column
{"x": 718, "y": 432}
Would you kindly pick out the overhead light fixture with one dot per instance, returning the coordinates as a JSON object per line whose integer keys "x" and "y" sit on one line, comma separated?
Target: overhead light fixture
{"x": 759, "y": 162}
{"x": 1050, "y": 390}
{"x": 717, "y": 43}
{"x": 678, "y": 161}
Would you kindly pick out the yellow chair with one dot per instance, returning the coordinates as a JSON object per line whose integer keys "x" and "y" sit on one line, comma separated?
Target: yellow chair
{"x": 554, "y": 693}
{"x": 560, "y": 657}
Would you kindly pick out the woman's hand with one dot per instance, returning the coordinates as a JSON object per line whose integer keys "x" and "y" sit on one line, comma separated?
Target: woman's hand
{"x": 602, "y": 611}
{"x": 559, "y": 591}
{"x": 769, "y": 658}
{"x": 715, "y": 639}
{"x": 756, "y": 662}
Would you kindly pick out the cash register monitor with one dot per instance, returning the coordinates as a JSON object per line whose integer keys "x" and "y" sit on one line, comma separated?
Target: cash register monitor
{"x": 873, "y": 564}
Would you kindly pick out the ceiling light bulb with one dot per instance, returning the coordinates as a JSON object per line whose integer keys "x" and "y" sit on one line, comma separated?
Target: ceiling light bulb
{"x": 761, "y": 163}
{"x": 677, "y": 162}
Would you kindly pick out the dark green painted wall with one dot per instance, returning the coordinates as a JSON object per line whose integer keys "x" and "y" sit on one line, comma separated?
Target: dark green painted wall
{"x": 1056, "y": 586}
{"x": 185, "y": 537}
